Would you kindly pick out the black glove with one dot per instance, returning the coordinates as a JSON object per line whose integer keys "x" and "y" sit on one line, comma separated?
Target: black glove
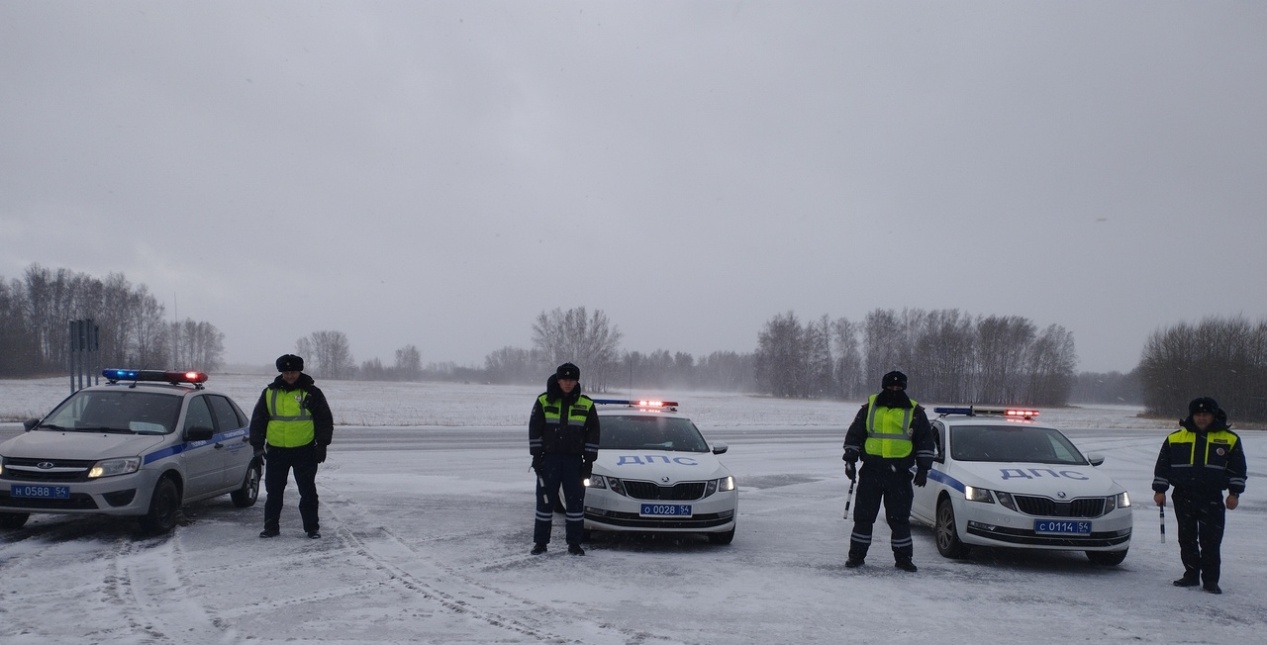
{"x": 851, "y": 470}
{"x": 587, "y": 469}
{"x": 537, "y": 462}
{"x": 320, "y": 454}
{"x": 259, "y": 454}
{"x": 921, "y": 477}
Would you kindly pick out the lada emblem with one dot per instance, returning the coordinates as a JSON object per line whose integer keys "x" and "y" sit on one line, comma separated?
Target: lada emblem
{"x": 1062, "y": 494}
{"x": 45, "y": 465}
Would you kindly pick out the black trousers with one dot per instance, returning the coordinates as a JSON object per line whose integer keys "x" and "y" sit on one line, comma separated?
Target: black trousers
{"x": 1201, "y": 517}
{"x": 559, "y": 470}
{"x": 277, "y": 467}
{"x": 891, "y": 484}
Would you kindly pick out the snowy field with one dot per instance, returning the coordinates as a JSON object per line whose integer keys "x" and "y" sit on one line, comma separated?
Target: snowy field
{"x": 426, "y": 506}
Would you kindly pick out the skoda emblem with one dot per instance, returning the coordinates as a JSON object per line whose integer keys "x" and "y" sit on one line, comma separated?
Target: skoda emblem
{"x": 1062, "y": 494}
{"x": 664, "y": 479}
{"x": 45, "y": 465}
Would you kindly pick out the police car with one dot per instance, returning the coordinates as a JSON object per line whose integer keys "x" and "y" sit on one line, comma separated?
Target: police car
{"x": 1002, "y": 479}
{"x": 656, "y": 474}
{"x": 144, "y": 444}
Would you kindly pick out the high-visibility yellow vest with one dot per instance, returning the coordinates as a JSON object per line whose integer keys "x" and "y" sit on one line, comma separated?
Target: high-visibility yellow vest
{"x": 1218, "y": 446}
{"x": 289, "y": 423}
{"x": 578, "y": 412}
{"x": 888, "y": 430}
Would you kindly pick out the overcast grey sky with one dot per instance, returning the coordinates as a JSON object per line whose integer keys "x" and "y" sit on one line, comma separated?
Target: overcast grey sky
{"x": 439, "y": 173}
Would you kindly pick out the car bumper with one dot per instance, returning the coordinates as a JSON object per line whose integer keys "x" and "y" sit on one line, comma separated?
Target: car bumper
{"x": 122, "y": 495}
{"x": 993, "y": 525}
{"x": 608, "y": 511}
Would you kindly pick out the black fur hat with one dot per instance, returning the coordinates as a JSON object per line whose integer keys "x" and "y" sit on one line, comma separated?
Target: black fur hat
{"x": 290, "y": 363}
{"x": 1203, "y": 404}
{"x": 568, "y": 371}
{"x": 893, "y": 378}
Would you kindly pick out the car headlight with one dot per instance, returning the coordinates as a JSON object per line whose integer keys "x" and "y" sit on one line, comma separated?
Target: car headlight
{"x": 599, "y": 481}
{"x": 1114, "y": 502}
{"x": 974, "y": 494}
{"x": 725, "y": 484}
{"x": 113, "y": 467}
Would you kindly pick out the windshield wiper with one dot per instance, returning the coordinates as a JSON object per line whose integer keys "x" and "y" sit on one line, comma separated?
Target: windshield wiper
{"x": 106, "y": 430}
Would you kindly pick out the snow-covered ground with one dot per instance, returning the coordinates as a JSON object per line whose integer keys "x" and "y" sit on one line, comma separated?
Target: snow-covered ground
{"x": 427, "y": 512}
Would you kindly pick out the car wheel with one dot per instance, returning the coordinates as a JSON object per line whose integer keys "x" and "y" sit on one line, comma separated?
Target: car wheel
{"x": 948, "y": 543}
{"x": 245, "y": 496}
{"x": 164, "y": 507}
{"x": 13, "y": 520}
{"x": 722, "y": 538}
{"x": 1106, "y": 558}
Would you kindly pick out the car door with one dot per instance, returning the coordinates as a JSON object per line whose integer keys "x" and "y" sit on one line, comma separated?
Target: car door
{"x": 203, "y": 458}
{"x": 231, "y": 428}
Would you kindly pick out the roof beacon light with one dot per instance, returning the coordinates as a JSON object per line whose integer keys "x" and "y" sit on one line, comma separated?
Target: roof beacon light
{"x": 175, "y": 377}
{"x": 981, "y": 410}
{"x": 643, "y": 403}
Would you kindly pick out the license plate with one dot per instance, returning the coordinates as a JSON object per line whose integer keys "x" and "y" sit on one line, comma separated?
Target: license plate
{"x": 665, "y": 510}
{"x": 40, "y": 492}
{"x": 1062, "y": 527}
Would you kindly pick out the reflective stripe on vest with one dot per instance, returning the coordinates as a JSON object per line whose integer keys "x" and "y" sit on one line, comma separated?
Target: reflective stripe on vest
{"x": 888, "y": 430}
{"x": 578, "y": 412}
{"x": 289, "y": 424}
{"x": 1212, "y": 440}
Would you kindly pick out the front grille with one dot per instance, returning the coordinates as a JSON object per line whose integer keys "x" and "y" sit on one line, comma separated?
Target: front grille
{"x": 47, "y": 470}
{"x": 650, "y": 490}
{"x": 1083, "y": 507}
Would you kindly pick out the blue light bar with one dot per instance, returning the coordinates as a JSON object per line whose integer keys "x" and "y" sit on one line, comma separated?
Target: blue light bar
{"x": 954, "y": 410}
{"x": 644, "y": 403}
{"x": 174, "y": 377}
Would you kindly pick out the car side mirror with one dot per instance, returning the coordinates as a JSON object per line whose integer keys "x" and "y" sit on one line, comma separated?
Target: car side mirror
{"x": 199, "y": 433}
{"x": 1095, "y": 458}
{"x": 719, "y": 448}
{"x": 30, "y": 424}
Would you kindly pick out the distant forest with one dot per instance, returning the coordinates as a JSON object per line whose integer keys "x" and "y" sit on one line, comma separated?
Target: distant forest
{"x": 949, "y": 355}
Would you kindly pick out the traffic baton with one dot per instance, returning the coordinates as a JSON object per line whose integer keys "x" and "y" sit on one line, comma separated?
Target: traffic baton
{"x": 1161, "y": 511}
{"x": 848, "y": 500}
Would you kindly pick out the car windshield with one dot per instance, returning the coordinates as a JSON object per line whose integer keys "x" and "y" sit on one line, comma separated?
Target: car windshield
{"x": 1026, "y": 444}
{"x": 122, "y": 411}
{"x": 648, "y": 432}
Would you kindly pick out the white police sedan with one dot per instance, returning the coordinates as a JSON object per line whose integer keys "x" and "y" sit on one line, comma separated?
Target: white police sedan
{"x": 656, "y": 474}
{"x": 1000, "y": 479}
{"x": 143, "y": 445}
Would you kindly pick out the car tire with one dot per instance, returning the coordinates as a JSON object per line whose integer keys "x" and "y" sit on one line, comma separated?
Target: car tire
{"x": 1106, "y": 558}
{"x": 245, "y": 496}
{"x": 722, "y": 538}
{"x": 13, "y": 520}
{"x": 947, "y": 533}
{"x": 164, "y": 508}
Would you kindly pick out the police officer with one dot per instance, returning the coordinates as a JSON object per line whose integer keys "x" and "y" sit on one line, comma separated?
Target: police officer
{"x": 890, "y": 434}
{"x": 563, "y": 440}
{"x": 294, "y": 420}
{"x": 1201, "y": 459}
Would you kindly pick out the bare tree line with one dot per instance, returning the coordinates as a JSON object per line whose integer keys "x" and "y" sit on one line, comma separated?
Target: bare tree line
{"x": 1225, "y": 358}
{"x": 950, "y": 356}
{"x": 35, "y": 312}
